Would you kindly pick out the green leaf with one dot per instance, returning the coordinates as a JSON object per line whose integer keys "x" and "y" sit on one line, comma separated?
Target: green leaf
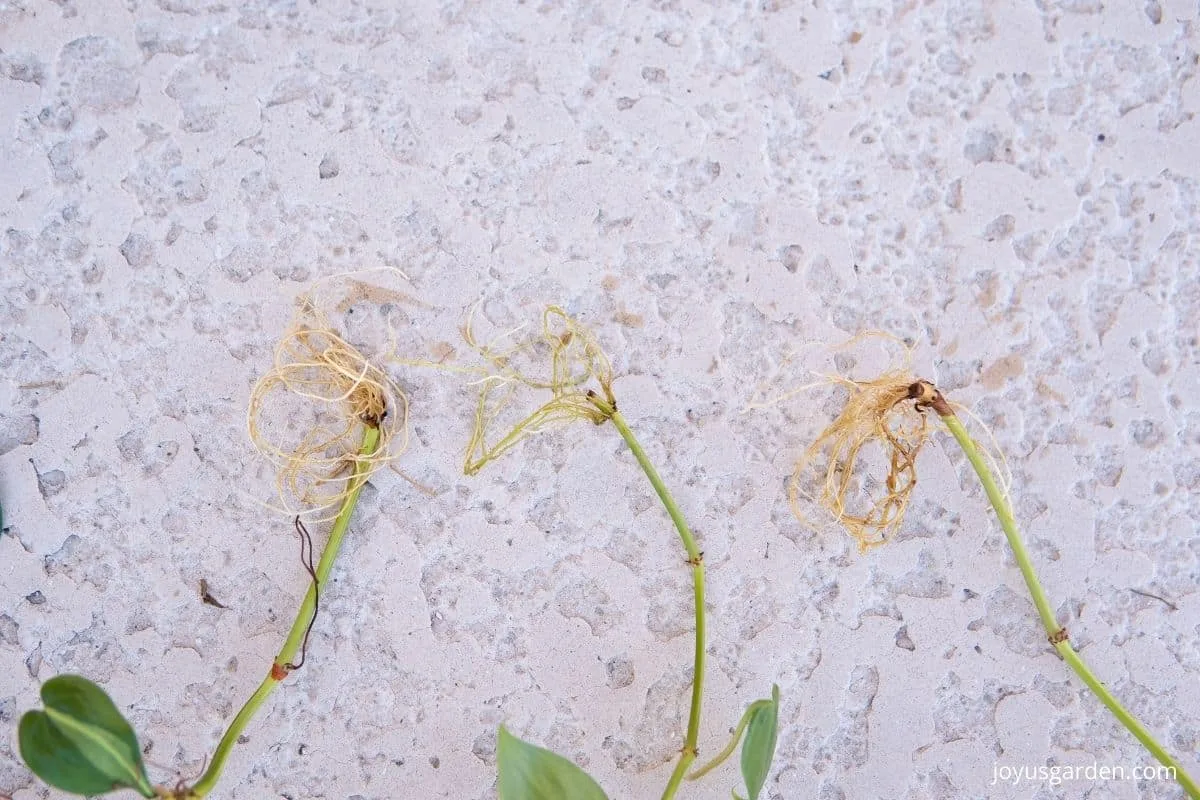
{"x": 531, "y": 773}
{"x": 758, "y": 749}
{"x": 81, "y": 743}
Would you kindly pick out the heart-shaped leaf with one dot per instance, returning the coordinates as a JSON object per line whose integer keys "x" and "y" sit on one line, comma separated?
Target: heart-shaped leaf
{"x": 531, "y": 773}
{"x": 758, "y": 748}
{"x": 81, "y": 743}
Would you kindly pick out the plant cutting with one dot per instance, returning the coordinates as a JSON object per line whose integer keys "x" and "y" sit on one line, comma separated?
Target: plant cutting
{"x": 79, "y": 742}
{"x": 579, "y": 386}
{"x": 891, "y": 412}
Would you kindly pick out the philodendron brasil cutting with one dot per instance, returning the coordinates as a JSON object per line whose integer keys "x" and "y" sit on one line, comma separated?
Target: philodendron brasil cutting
{"x": 79, "y": 741}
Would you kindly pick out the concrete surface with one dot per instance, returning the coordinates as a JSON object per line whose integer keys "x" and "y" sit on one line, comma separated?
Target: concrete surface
{"x": 721, "y": 190}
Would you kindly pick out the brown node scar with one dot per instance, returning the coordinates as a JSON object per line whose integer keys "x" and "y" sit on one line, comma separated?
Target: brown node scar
{"x": 278, "y": 672}
{"x": 929, "y": 396}
{"x": 610, "y": 401}
{"x": 591, "y": 393}
{"x": 697, "y": 561}
{"x": 1059, "y": 636}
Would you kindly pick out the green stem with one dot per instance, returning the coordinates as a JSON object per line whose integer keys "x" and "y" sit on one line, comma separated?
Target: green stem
{"x": 1057, "y": 633}
{"x": 720, "y": 757}
{"x": 694, "y": 558}
{"x": 1007, "y": 521}
{"x": 279, "y": 668}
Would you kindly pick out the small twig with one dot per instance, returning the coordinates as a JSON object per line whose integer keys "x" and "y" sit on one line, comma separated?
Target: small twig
{"x": 306, "y": 558}
{"x": 1162, "y": 600}
{"x": 206, "y": 596}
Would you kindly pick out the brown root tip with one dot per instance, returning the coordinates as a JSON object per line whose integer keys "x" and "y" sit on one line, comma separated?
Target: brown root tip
{"x": 928, "y": 396}
{"x": 1059, "y": 636}
{"x": 278, "y": 672}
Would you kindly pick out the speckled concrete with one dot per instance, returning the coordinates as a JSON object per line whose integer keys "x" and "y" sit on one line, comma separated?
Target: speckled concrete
{"x": 720, "y": 190}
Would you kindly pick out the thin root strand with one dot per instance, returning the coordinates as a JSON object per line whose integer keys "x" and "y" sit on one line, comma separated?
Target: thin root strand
{"x": 306, "y": 558}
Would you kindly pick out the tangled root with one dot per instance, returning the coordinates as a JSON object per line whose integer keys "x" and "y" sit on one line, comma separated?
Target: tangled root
{"x": 575, "y": 360}
{"x": 879, "y": 411}
{"x": 308, "y": 412}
